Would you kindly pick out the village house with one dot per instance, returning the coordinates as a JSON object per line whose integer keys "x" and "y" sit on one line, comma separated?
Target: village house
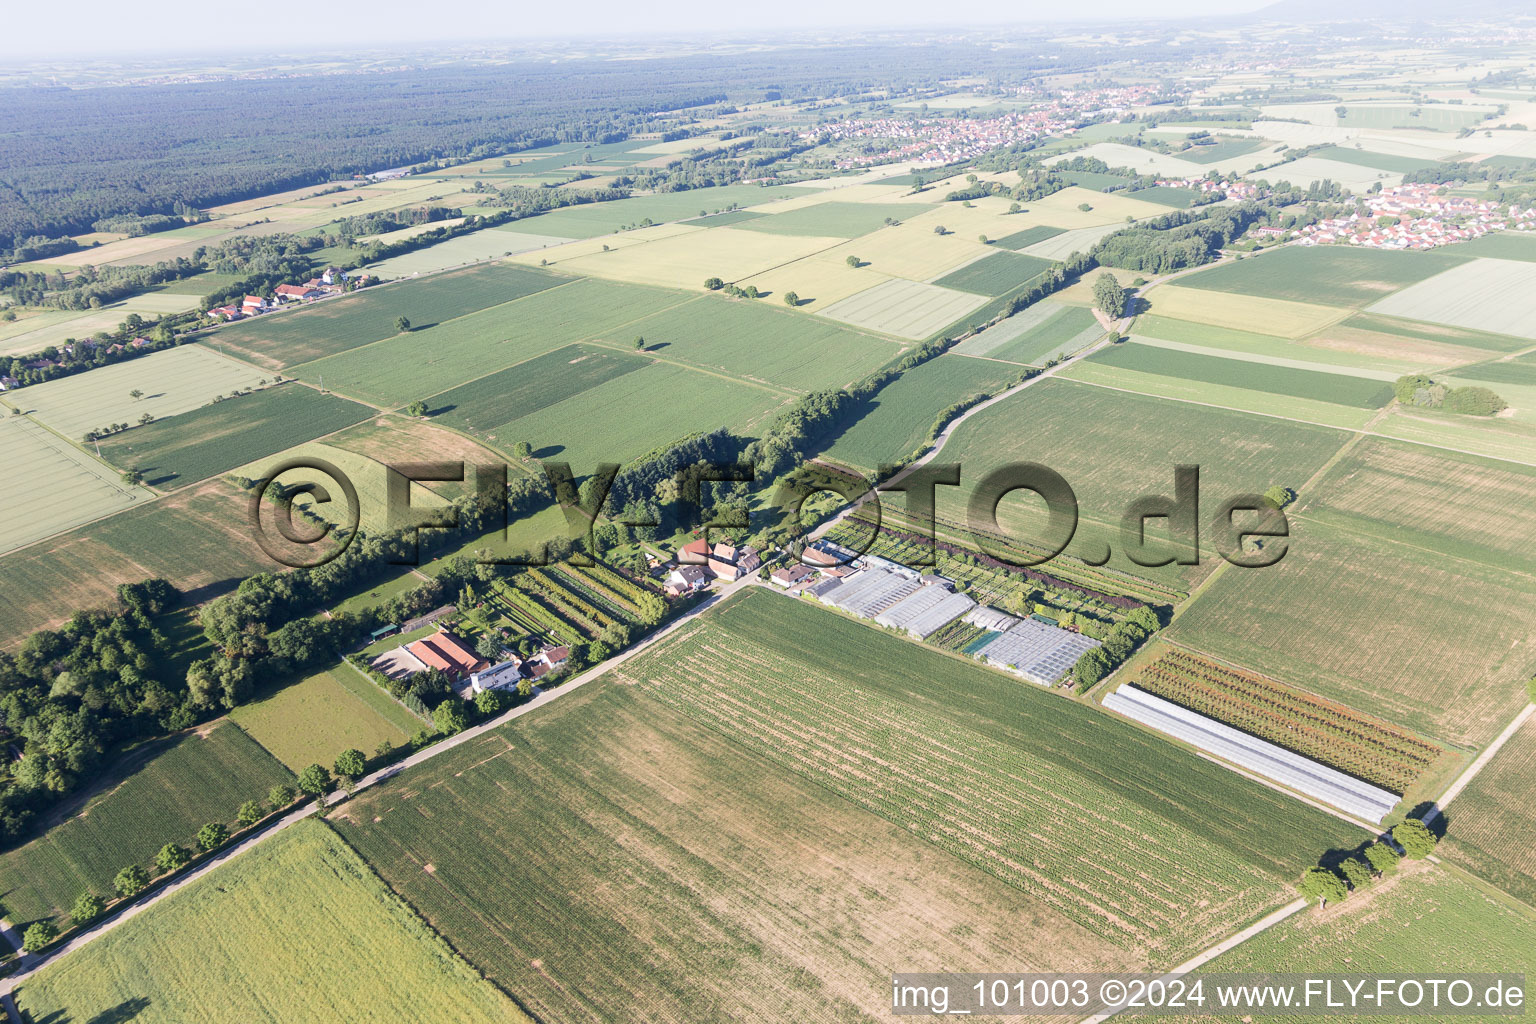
{"x": 791, "y": 576}
{"x": 501, "y": 676}
{"x": 448, "y": 654}
{"x": 296, "y": 293}
{"x": 687, "y": 579}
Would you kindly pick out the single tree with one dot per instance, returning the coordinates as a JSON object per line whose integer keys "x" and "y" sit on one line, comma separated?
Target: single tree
{"x": 133, "y": 477}
{"x": 449, "y": 717}
{"x": 212, "y": 835}
{"x": 384, "y": 749}
{"x": 983, "y": 240}
{"x": 1014, "y": 207}
{"x": 88, "y": 907}
{"x": 172, "y": 857}
{"x": 714, "y": 284}
{"x": 280, "y": 796}
{"x": 131, "y": 880}
{"x": 791, "y": 299}
{"x": 1322, "y": 885}
{"x": 1085, "y": 207}
{"x": 402, "y": 325}
{"x": 38, "y": 935}
{"x": 1382, "y": 858}
{"x": 135, "y": 394}
{"x": 940, "y": 229}
{"x": 488, "y": 703}
{"x": 1356, "y": 873}
{"x": 639, "y": 342}
{"x": 417, "y": 408}
{"x": 1109, "y": 296}
{"x": 1415, "y": 838}
{"x": 1278, "y": 496}
{"x": 488, "y": 647}
{"x": 146, "y": 419}
{"x": 525, "y": 688}
{"x": 250, "y": 813}
{"x": 314, "y": 780}
{"x": 854, "y": 262}
{"x": 351, "y": 763}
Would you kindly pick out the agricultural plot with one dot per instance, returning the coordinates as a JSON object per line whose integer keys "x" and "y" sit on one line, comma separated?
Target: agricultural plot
{"x": 1520, "y": 372}
{"x": 1336, "y": 275}
{"x": 485, "y": 404}
{"x": 762, "y": 343}
{"x": 623, "y": 418}
{"x": 1440, "y": 334}
{"x": 1028, "y": 237}
{"x": 903, "y": 413}
{"x": 1489, "y": 826}
{"x": 616, "y": 818}
{"x": 1166, "y": 195}
{"x": 161, "y": 792}
{"x": 1501, "y": 245}
{"x": 1336, "y": 349}
{"x": 1331, "y": 733}
{"x": 1142, "y": 161}
{"x": 198, "y": 538}
{"x": 297, "y": 929}
{"x": 591, "y": 219}
{"x": 1412, "y": 634}
{"x": 1425, "y": 920}
{"x": 311, "y": 720}
{"x": 912, "y": 250}
{"x": 906, "y": 309}
{"x": 830, "y": 218}
{"x": 996, "y": 274}
{"x": 1482, "y": 294}
{"x": 219, "y": 437}
{"x": 1242, "y": 312}
{"x": 1373, "y": 159}
{"x": 1309, "y": 169}
{"x": 1062, "y": 245}
{"x": 1497, "y": 437}
{"x": 1249, "y": 373}
{"x": 54, "y": 486}
{"x": 426, "y": 362}
{"x": 1035, "y": 335}
{"x": 475, "y": 247}
{"x": 392, "y": 439}
{"x": 817, "y": 280}
{"x": 1113, "y": 447}
{"x": 687, "y": 260}
{"x": 169, "y": 383}
{"x": 344, "y": 323}
{"x": 993, "y": 779}
{"x": 1223, "y": 148}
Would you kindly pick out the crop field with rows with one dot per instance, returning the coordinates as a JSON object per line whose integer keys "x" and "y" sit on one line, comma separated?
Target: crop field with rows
{"x": 1314, "y": 727}
{"x": 526, "y": 615}
{"x": 1491, "y": 830}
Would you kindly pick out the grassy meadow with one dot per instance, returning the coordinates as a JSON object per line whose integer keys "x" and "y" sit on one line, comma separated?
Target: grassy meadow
{"x": 311, "y": 720}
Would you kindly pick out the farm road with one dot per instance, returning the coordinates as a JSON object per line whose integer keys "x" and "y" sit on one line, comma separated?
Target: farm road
{"x": 29, "y": 964}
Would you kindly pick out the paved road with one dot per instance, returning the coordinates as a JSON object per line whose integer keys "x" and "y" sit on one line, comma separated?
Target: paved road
{"x": 28, "y": 965}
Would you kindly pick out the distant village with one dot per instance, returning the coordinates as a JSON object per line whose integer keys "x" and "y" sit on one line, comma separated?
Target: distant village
{"x": 1418, "y": 217}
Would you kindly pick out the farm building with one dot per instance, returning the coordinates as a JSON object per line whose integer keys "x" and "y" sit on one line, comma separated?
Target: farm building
{"x": 1040, "y": 653}
{"x": 686, "y": 579}
{"x": 868, "y": 593}
{"x": 448, "y": 654}
{"x": 499, "y": 676}
{"x": 991, "y": 619}
{"x": 1273, "y": 762}
{"x": 926, "y": 611}
{"x": 791, "y": 575}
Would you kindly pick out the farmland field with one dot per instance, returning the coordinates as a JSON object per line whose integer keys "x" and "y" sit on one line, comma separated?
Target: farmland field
{"x": 831, "y": 218}
{"x": 1028, "y": 237}
{"x": 313, "y": 719}
{"x": 1279, "y": 317}
{"x": 904, "y": 410}
{"x": 1384, "y": 356}
{"x": 485, "y": 404}
{"x": 1521, "y": 371}
{"x": 1501, "y": 245}
{"x": 475, "y": 247}
{"x": 336, "y": 325}
{"x": 1166, "y": 195}
{"x": 1339, "y": 388}
{"x": 1063, "y": 244}
{"x": 299, "y": 929}
{"x": 217, "y": 438}
{"x": 1489, "y": 824}
{"x": 391, "y": 439}
{"x": 198, "y": 538}
{"x": 1439, "y": 333}
{"x": 172, "y": 382}
{"x": 1308, "y": 169}
{"x": 1426, "y": 920}
{"x": 687, "y": 260}
{"x": 603, "y": 218}
{"x": 1035, "y": 335}
{"x": 1481, "y": 294}
{"x": 1381, "y": 162}
{"x": 996, "y": 274}
{"x": 1428, "y": 640}
{"x": 402, "y": 369}
{"x": 1113, "y": 447}
{"x": 907, "y": 309}
{"x": 54, "y": 485}
{"x": 1336, "y": 275}
{"x": 712, "y": 836}
{"x": 161, "y": 792}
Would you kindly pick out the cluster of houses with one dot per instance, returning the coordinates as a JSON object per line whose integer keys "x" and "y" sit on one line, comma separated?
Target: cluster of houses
{"x": 699, "y": 564}
{"x": 463, "y": 666}
{"x": 332, "y": 281}
{"x": 1418, "y": 217}
{"x": 945, "y": 140}
{"x": 1233, "y": 189}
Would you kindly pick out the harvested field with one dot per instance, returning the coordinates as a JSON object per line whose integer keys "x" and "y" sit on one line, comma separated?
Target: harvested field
{"x": 1482, "y": 294}
{"x": 687, "y": 260}
{"x": 1243, "y": 312}
{"x": 906, "y": 309}
{"x": 1035, "y": 335}
{"x": 475, "y": 247}
{"x": 54, "y": 486}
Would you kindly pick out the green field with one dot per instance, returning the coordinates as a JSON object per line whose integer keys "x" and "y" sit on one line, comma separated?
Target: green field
{"x": 217, "y": 438}
{"x": 1428, "y": 640}
{"x": 1501, "y": 245}
{"x": 1036, "y": 334}
{"x": 1489, "y": 824}
{"x": 903, "y": 412}
{"x": 1426, "y": 920}
{"x": 1113, "y": 447}
{"x": 298, "y": 929}
{"x": 1521, "y": 371}
{"x": 1029, "y": 236}
{"x": 399, "y": 370}
{"x": 688, "y": 846}
{"x": 720, "y": 220}
{"x": 170, "y": 382}
{"x": 593, "y": 219}
{"x": 313, "y": 719}
{"x": 54, "y": 485}
{"x": 161, "y": 792}
{"x": 1445, "y": 333}
{"x": 832, "y": 219}
{"x": 1099, "y": 181}
{"x": 762, "y": 343}
{"x": 1221, "y": 149}
{"x": 337, "y": 325}
{"x": 1379, "y": 161}
{"x": 997, "y": 274}
{"x": 483, "y": 405}
{"x": 1332, "y": 275}
{"x": 1339, "y": 388}
{"x": 1167, "y": 195}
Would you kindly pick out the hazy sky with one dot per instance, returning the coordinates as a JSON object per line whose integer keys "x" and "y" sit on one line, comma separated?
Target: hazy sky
{"x": 103, "y": 27}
